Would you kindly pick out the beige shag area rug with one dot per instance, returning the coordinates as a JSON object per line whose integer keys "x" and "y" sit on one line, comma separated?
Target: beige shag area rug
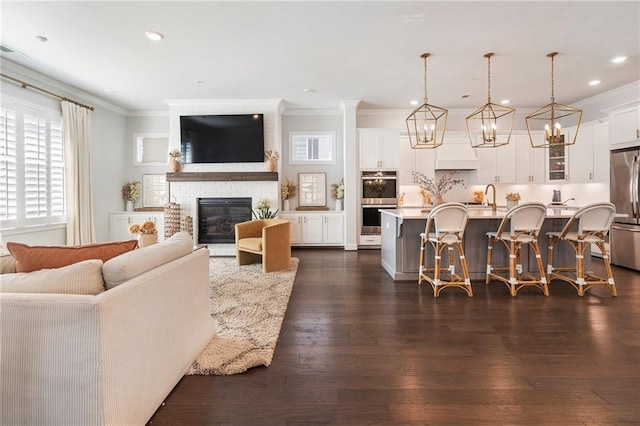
{"x": 247, "y": 307}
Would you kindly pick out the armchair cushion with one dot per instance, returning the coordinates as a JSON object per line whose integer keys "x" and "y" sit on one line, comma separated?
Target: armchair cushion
{"x": 251, "y": 243}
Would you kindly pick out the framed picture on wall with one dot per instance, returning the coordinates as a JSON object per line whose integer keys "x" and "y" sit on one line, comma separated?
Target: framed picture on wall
{"x": 312, "y": 189}
{"x": 154, "y": 190}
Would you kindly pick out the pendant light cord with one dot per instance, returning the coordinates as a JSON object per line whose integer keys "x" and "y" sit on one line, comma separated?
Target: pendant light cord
{"x": 425, "y": 56}
{"x": 489, "y": 78}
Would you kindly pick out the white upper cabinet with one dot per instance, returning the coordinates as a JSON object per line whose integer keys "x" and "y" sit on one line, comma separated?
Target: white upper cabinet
{"x": 420, "y": 160}
{"x": 378, "y": 149}
{"x": 625, "y": 126}
{"x": 589, "y": 156}
{"x": 530, "y": 161}
{"x": 498, "y": 165}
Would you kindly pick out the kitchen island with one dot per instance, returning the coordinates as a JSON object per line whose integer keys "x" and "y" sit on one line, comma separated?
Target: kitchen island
{"x": 400, "y": 245}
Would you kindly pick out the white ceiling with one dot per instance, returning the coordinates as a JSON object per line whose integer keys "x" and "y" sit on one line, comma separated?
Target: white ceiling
{"x": 344, "y": 50}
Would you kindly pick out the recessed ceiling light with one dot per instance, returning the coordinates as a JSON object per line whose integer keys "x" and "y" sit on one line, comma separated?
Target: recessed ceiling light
{"x": 465, "y": 96}
{"x": 619, "y": 59}
{"x": 594, "y": 82}
{"x": 42, "y": 39}
{"x": 414, "y": 102}
{"x": 199, "y": 82}
{"x": 154, "y": 35}
{"x": 505, "y": 102}
{"x": 309, "y": 90}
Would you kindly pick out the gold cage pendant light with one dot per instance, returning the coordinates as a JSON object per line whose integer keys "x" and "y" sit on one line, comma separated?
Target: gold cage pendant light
{"x": 552, "y": 118}
{"x": 427, "y": 123}
{"x": 482, "y": 125}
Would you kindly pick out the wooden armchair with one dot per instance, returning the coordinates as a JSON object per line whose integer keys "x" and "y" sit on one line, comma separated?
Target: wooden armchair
{"x": 265, "y": 240}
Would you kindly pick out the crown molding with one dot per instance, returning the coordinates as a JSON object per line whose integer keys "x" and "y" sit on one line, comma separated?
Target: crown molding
{"x": 38, "y": 79}
{"x": 272, "y": 103}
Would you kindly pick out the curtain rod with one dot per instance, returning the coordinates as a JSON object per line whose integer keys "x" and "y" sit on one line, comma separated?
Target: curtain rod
{"x": 24, "y": 85}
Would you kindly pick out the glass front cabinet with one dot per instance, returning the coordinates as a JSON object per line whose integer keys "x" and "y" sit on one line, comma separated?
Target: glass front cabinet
{"x": 557, "y": 163}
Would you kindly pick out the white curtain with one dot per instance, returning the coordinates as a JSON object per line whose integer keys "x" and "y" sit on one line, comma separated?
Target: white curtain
{"x": 77, "y": 151}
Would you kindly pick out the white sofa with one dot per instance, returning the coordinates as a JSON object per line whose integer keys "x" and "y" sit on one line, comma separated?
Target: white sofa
{"x": 108, "y": 359}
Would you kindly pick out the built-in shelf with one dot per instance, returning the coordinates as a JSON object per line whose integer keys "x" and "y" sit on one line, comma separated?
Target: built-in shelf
{"x": 221, "y": 176}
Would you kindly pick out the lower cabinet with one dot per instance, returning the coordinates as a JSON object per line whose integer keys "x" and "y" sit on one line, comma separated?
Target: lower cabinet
{"x": 119, "y": 224}
{"x": 316, "y": 228}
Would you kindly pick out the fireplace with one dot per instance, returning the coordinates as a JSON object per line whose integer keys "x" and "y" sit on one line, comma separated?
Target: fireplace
{"x": 217, "y": 218}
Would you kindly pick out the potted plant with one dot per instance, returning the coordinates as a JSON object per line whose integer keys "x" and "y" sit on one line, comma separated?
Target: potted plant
{"x": 263, "y": 210}
{"x": 287, "y": 190}
{"x": 146, "y": 233}
{"x": 512, "y": 199}
{"x": 337, "y": 193}
{"x": 130, "y": 194}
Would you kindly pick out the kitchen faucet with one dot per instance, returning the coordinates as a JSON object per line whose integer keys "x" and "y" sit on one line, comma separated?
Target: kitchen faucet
{"x": 567, "y": 200}
{"x": 493, "y": 205}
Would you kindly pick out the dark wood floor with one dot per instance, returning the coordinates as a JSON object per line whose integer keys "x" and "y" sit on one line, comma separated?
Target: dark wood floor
{"x": 357, "y": 348}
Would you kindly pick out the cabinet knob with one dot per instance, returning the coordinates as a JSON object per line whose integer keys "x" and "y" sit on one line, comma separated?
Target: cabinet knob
{"x": 637, "y": 133}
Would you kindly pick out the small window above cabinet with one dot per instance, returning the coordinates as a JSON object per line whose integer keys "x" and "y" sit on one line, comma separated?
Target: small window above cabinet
{"x": 150, "y": 149}
{"x": 557, "y": 163}
{"x": 312, "y": 148}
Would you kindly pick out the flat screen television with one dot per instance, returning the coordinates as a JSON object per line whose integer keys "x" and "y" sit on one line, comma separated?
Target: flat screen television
{"x": 222, "y": 138}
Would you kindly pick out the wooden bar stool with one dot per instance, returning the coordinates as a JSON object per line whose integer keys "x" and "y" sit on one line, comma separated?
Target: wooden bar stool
{"x": 444, "y": 229}
{"x": 591, "y": 224}
{"x": 520, "y": 226}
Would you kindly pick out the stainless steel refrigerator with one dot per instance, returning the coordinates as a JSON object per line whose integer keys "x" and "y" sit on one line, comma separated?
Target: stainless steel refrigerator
{"x": 625, "y": 232}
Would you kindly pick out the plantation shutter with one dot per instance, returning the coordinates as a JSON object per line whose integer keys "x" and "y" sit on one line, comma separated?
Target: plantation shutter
{"x": 35, "y": 166}
{"x": 8, "y": 165}
{"x": 308, "y": 148}
{"x": 56, "y": 178}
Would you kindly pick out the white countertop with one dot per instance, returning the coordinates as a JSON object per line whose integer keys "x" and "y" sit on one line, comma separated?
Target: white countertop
{"x": 477, "y": 213}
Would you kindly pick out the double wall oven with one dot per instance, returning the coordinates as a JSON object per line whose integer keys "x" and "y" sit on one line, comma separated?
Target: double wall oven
{"x": 379, "y": 190}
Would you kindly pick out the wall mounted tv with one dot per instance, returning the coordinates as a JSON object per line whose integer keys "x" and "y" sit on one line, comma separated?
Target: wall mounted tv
{"x": 222, "y": 138}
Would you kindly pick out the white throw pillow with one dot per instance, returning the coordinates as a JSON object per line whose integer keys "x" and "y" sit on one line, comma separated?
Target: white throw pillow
{"x": 79, "y": 278}
{"x": 131, "y": 264}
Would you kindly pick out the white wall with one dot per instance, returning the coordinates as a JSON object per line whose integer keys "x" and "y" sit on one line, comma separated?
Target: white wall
{"x": 313, "y": 122}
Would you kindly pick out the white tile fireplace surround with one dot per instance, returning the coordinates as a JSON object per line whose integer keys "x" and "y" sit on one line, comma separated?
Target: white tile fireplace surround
{"x": 185, "y": 194}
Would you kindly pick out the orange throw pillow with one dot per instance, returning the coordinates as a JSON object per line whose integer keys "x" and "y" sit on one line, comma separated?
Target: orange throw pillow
{"x": 34, "y": 258}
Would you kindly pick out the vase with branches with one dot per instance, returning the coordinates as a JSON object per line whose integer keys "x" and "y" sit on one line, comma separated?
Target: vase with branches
{"x": 130, "y": 194}
{"x": 271, "y": 162}
{"x": 437, "y": 187}
{"x": 287, "y": 191}
{"x": 337, "y": 193}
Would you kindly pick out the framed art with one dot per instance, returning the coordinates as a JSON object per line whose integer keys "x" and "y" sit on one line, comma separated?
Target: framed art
{"x": 312, "y": 189}
{"x": 154, "y": 190}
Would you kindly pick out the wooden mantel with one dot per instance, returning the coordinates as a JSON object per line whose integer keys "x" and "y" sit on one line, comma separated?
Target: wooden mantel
{"x": 221, "y": 176}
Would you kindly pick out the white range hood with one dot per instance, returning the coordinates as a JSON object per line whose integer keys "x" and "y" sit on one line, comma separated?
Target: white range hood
{"x": 456, "y": 154}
